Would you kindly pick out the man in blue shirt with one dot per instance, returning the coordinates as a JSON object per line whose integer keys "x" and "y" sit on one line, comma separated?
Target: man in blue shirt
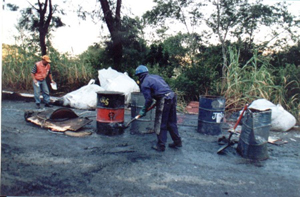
{"x": 155, "y": 88}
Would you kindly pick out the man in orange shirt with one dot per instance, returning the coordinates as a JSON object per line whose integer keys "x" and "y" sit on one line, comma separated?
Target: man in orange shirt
{"x": 39, "y": 73}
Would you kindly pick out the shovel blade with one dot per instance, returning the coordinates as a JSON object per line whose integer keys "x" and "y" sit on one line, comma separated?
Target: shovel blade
{"x": 223, "y": 148}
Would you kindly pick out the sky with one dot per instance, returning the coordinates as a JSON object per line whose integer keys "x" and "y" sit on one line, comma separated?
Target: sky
{"x": 76, "y": 36}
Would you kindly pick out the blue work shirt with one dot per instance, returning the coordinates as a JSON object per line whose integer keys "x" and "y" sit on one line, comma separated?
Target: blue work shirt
{"x": 153, "y": 87}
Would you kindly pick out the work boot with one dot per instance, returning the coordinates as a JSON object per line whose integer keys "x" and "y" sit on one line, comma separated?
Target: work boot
{"x": 38, "y": 106}
{"x": 176, "y": 144}
{"x": 158, "y": 148}
{"x": 47, "y": 105}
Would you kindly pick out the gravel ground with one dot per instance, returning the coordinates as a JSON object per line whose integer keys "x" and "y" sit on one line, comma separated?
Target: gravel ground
{"x": 36, "y": 162}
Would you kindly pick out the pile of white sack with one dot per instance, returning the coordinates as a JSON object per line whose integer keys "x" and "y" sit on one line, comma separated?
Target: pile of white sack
{"x": 110, "y": 80}
{"x": 281, "y": 120}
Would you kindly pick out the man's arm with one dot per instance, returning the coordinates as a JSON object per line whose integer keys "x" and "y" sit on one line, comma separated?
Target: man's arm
{"x": 50, "y": 77}
{"x": 33, "y": 78}
{"x": 33, "y": 71}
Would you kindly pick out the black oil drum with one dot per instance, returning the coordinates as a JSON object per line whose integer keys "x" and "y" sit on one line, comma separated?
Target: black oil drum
{"x": 254, "y": 136}
{"x": 144, "y": 124}
{"x": 211, "y": 114}
{"x": 110, "y": 112}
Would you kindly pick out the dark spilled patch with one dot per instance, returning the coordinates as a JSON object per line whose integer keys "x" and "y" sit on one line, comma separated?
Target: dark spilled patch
{"x": 138, "y": 157}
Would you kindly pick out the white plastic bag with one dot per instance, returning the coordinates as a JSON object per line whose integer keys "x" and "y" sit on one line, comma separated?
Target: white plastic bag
{"x": 111, "y": 80}
{"x": 282, "y": 120}
{"x": 83, "y": 98}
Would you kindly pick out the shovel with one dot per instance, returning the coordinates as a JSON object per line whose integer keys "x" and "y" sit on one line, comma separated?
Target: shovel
{"x": 232, "y": 131}
{"x": 138, "y": 116}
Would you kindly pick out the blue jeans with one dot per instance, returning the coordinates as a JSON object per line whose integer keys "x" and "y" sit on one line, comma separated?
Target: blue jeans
{"x": 42, "y": 88}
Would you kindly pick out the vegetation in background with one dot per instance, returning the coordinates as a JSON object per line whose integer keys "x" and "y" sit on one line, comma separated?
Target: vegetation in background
{"x": 17, "y": 63}
{"x": 186, "y": 61}
{"x": 258, "y": 79}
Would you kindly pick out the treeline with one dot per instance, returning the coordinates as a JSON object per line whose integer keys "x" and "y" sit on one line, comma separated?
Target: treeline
{"x": 249, "y": 75}
{"x": 238, "y": 68}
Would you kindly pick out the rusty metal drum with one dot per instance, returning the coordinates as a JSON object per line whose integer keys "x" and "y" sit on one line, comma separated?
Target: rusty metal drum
{"x": 254, "y": 136}
{"x": 144, "y": 124}
{"x": 211, "y": 114}
{"x": 110, "y": 112}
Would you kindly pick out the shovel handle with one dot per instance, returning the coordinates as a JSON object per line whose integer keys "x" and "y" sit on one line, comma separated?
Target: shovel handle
{"x": 240, "y": 117}
{"x": 151, "y": 107}
{"x": 138, "y": 116}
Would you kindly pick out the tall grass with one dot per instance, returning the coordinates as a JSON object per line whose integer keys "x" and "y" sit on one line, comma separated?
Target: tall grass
{"x": 258, "y": 79}
{"x": 69, "y": 73}
{"x": 16, "y": 68}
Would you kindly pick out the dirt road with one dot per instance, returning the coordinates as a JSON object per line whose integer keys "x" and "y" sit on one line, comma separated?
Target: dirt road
{"x": 36, "y": 162}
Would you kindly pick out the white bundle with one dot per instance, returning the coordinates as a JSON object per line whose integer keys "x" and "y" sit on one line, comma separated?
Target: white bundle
{"x": 83, "y": 98}
{"x": 111, "y": 80}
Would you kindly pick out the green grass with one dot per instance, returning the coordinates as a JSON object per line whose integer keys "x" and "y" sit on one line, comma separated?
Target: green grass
{"x": 69, "y": 73}
{"x": 258, "y": 79}
{"x": 244, "y": 83}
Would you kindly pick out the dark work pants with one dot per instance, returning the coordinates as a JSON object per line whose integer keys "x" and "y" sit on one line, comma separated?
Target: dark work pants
{"x": 168, "y": 122}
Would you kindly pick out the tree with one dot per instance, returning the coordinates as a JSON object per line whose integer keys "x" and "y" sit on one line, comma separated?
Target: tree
{"x": 113, "y": 23}
{"x": 187, "y": 12}
{"x": 134, "y": 46}
{"x": 222, "y": 21}
{"x": 229, "y": 21}
{"x": 124, "y": 46}
{"x": 40, "y": 18}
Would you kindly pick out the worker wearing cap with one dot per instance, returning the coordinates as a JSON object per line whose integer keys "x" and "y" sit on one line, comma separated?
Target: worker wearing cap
{"x": 155, "y": 88}
{"x": 39, "y": 73}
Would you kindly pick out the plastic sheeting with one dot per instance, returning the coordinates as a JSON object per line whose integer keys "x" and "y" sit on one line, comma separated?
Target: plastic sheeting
{"x": 83, "y": 98}
{"x": 110, "y": 80}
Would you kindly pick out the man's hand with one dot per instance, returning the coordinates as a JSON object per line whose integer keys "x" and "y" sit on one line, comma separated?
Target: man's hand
{"x": 142, "y": 112}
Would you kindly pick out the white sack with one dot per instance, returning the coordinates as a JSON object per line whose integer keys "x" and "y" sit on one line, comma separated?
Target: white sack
{"x": 281, "y": 120}
{"x": 262, "y": 104}
{"x": 111, "y": 80}
{"x": 106, "y": 76}
{"x": 83, "y": 98}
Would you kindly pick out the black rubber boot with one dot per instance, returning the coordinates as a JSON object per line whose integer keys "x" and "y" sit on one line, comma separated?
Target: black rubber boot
{"x": 158, "y": 148}
{"x": 176, "y": 144}
{"x": 48, "y": 105}
{"x": 38, "y": 106}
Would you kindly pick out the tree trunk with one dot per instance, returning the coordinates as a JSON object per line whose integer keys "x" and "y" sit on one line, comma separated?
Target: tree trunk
{"x": 43, "y": 43}
{"x": 224, "y": 67}
{"x": 44, "y": 23}
{"x": 114, "y": 27}
{"x": 222, "y": 40}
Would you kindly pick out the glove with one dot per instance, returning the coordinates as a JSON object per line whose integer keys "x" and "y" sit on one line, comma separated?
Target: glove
{"x": 142, "y": 112}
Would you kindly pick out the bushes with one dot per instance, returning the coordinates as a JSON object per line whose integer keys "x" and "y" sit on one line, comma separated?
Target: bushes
{"x": 245, "y": 82}
{"x": 197, "y": 80}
